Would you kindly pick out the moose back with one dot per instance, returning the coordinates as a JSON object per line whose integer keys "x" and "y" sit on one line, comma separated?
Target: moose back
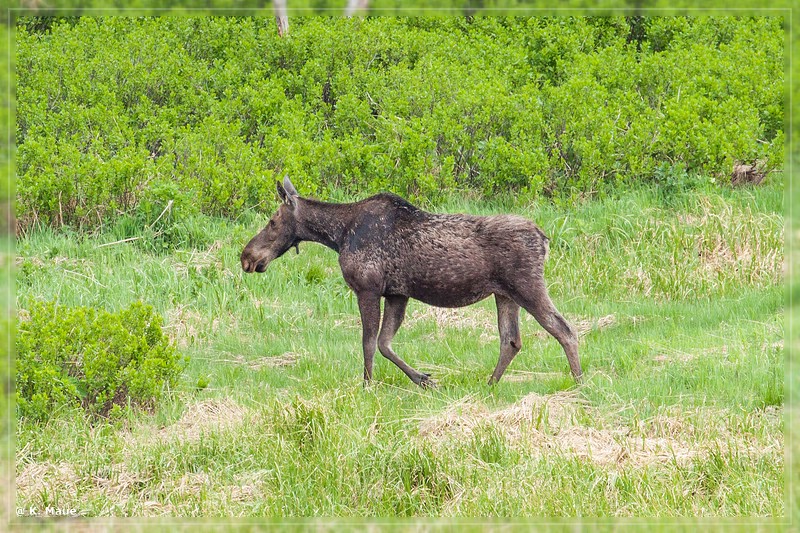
{"x": 390, "y": 249}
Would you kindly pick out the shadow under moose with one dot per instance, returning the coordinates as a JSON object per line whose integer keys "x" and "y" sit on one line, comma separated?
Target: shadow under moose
{"x": 390, "y": 249}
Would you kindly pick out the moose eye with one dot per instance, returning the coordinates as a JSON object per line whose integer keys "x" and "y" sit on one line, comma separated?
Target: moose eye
{"x": 272, "y": 223}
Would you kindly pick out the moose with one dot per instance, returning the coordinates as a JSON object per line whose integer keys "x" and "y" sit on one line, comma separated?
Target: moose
{"x": 390, "y": 249}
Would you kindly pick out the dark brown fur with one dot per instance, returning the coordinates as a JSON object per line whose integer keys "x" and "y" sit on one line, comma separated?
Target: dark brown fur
{"x": 390, "y": 249}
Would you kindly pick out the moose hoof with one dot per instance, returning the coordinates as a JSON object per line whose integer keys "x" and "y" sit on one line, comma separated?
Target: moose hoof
{"x": 426, "y": 382}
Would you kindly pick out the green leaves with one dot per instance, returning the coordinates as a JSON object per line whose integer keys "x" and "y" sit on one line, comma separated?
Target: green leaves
{"x": 111, "y": 109}
{"x": 92, "y": 358}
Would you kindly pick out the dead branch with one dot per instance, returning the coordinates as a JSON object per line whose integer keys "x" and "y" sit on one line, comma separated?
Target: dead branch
{"x": 355, "y": 5}
{"x": 281, "y": 18}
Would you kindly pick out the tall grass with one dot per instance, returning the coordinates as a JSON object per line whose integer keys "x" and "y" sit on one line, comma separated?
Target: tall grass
{"x": 679, "y": 303}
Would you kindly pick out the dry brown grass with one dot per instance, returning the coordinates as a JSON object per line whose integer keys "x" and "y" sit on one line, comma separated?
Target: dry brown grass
{"x": 247, "y": 486}
{"x": 557, "y": 424}
{"x": 115, "y": 482}
{"x": 581, "y": 325}
{"x": 58, "y": 260}
{"x": 738, "y": 241}
{"x": 674, "y": 357}
{"x": 717, "y": 254}
{"x": 273, "y": 361}
{"x": 201, "y": 417}
{"x": 462, "y": 417}
{"x": 346, "y": 321}
{"x": 35, "y": 478}
{"x": 183, "y": 325}
{"x": 192, "y": 483}
{"x": 513, "y": 375}
{"x": 584, "y": 326}
{"x": 197, "y": 419}
{"x": 199, "y": 259}
{"x": 485, "y": 321}
{"x": 285, "y": 359}
{"x": 471, "y": 317}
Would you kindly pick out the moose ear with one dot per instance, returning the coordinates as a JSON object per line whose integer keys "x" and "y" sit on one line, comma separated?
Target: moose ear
{"x": 287, "y": 195}
{"x": 287, "y": 185}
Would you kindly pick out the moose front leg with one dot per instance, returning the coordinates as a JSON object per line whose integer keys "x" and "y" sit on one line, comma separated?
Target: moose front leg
{"x": 369, "y": 305}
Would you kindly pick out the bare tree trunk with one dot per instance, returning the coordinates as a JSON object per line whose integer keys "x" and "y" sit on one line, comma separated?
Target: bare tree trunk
{"x": 280, "y": 16}
{"x": 355, "y": 5}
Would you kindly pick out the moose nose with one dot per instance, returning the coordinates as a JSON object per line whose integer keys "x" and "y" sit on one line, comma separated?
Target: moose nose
{"x": 247, "y": 265}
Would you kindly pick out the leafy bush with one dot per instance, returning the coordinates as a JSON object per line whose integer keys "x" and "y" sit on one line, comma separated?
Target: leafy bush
{"x": 208, "y": 111}
{"x": 91, "y": 358}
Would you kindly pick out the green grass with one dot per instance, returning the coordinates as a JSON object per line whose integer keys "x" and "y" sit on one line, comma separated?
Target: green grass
{"x": 680, "y": 305}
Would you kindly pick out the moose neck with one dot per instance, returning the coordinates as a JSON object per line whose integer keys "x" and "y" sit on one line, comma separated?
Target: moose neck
{"x": 322, "y": 222}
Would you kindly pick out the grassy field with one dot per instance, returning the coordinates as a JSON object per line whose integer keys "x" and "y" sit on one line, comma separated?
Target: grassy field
{"x": 678, "y": 299}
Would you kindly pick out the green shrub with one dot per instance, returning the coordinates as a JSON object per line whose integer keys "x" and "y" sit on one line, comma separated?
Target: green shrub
{"x": 91, "y": 358}
{"x": 208, "y": 111}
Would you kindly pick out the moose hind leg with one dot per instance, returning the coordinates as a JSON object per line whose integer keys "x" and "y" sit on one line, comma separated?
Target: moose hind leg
{"x": 510, "y": 341}
{"x": 370, "y": 308}
{"x": 394, "y": 311}
{"x": 537, "y": 302}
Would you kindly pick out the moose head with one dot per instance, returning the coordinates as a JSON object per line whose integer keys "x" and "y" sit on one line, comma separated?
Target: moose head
{"x": 279, "y": 235}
